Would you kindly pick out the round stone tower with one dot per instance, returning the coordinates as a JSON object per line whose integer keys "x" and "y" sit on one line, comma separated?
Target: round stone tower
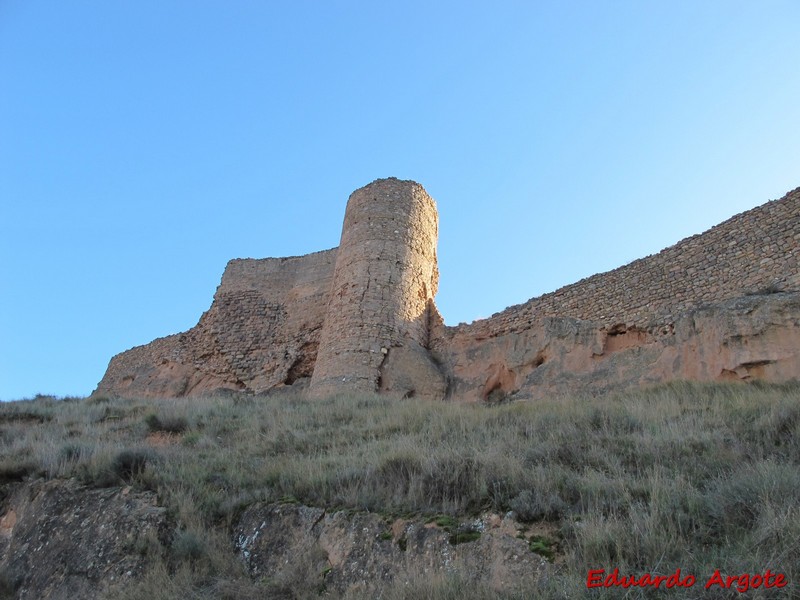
{"x": 384, "y": 281}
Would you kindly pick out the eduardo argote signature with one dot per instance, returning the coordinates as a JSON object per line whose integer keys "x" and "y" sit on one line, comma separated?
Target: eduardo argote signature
{"x": 597, "y": 578}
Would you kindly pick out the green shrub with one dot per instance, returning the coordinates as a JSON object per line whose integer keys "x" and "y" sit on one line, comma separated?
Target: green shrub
{"x": 543, "y": 546}
{"x": 187, "y": 546}
{"x": 106, "y": 468}
{"x": 463, "y": 537}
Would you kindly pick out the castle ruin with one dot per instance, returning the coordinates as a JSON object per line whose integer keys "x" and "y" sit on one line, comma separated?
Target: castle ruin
{"x": 383, "y": 286}
{"x": 722, "y": 305}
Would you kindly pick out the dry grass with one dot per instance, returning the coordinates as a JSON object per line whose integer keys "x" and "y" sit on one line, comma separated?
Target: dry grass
{"x": 687, "y": 476}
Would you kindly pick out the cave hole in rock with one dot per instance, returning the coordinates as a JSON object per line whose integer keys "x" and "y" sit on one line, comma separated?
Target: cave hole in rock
{"x": 303, "y": 365}
{"x": 496, "y": 395}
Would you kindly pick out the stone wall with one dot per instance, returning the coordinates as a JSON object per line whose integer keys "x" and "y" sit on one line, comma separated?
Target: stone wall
{"x": 753, "y": 251}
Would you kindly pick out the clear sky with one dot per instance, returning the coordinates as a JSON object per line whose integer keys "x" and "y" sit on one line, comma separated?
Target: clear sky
{"x": 144, "y": 143}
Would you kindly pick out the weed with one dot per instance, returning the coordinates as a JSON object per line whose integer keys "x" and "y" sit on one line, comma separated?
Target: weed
{"x": 543, "y": 546}
{"x": 187, "y": 546}
{"x": 463, "y": 537}
{"x": 446, "y": 522}
{"x": 191, "y": 439}
{"x": 166, "y": 424}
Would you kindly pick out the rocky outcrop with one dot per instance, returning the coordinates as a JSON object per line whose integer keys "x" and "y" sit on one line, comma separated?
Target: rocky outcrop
{"x": 362, "y": 553}
{"x": 362, "y": 317}
{"x": 59, "y": 540}
{"x": 752, "y": 337}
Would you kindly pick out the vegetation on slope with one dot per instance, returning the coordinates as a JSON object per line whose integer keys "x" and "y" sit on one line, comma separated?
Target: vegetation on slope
{"x": 689, "y": 476}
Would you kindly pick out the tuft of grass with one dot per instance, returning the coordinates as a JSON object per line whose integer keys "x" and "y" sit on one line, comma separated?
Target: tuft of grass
{"x": 187, "y": 546}
{"x": 166, "y": 423}
{"x": 543, "y": 546}
{"x": 108, "y": 468}
{"x": 192, "y": 439}
{"x": 446, "y": 522}
{"x": 463, "y": 537}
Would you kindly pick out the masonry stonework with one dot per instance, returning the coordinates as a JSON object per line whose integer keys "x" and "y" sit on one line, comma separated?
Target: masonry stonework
{"x": 755, "y": 250}
{"x": 722, "y": 305}
{"x": 385, "y": 279}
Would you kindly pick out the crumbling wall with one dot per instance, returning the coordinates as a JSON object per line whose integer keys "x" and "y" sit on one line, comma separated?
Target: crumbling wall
{"x": 261, "y": 331}
{"x": 757, "y": 250}
{"x": 673, "y": 315}
{"x": 362, "y": 318}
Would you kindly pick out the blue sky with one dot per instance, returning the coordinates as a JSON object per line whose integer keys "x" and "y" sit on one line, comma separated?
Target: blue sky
{"x": 145, "y": 143}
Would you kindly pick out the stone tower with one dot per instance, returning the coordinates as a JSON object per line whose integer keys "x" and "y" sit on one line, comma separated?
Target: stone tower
{"x": 383, "y": 285}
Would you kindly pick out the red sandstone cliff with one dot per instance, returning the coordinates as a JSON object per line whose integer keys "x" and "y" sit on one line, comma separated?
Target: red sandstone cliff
{"x": 724, "y": 304}
{"x": 261, "y": 331}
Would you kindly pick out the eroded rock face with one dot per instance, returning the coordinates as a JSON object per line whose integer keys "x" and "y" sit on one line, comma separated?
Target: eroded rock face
{"x": 752, "y": 337}
{"x": 361, "y": 318}
{"x": 261, "y": 332}
{"x": 59, "y": 540}
{"x": 411, "y": 372}
{"x": 345, "y": 552}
